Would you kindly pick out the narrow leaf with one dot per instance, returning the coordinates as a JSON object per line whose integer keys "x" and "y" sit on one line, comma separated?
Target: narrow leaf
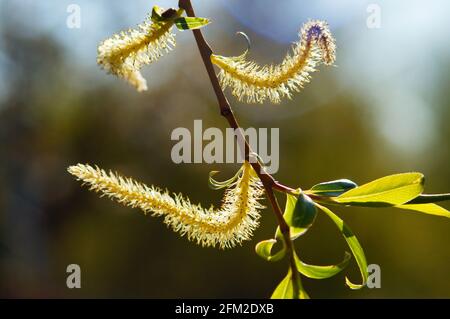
{"x": 386, "y": 191}
{"x": 299, "y": 214}
{"x": 321, "y": 272}
{"x": 431, "y": 209}
{"x": 214, "y": 184}
{"x": 285, "y": 289}
{"x": 333, "y": 188}
{"x": 159, "y": 15}
{"x": 191, "y": 23}
{"x": 429, "y": 198}
{"x": 354, "y": 245}
{"x": 156, "y": 14}
{"x": 264, "y": 249}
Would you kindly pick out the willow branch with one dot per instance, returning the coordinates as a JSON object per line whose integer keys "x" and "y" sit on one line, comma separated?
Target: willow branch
{"x": 226, "y": 111}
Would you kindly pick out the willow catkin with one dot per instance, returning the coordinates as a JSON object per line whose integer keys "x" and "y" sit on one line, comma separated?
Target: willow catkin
{"x": 125, "y": 53}
{"x": 226, "y": 227}
{"x": 254, "y": 84}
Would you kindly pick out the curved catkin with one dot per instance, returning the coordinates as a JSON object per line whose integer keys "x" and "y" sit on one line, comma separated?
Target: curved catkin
{"x": 125, "y": 53}
{"x": 225, "y": 227}
{"x": 254, "y": 84}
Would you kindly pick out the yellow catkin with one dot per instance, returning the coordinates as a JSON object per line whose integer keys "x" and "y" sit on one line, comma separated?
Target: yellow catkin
{"x": 225, "y": 227}
{"x": 125, "y": 53}
{"x": 254, "y": 84}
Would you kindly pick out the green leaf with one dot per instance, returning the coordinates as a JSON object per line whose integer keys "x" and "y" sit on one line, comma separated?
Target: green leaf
{"x": 429, "y": 198}
{"x": 161, "y": 15}
{"x": 191, "y": 23}
{"x": 431, "y": 209}
{"x": 214, "y": 184}
{"x": 285, "y": 289}
{"x": 321, "y": 272}
{"x": 299, "y": 214}
{"x": 264, "y": 249}
{"x": 156, "y": 14}
{"x": 354, "y": 245}
{"x": 333, "y": 188}
{"x": 386, "y": 191}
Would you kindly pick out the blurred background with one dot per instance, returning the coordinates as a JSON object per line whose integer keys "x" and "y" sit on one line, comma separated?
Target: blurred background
{"x": 384, "y": 109}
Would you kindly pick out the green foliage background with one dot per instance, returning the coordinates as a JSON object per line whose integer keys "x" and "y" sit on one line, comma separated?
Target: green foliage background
{"x": 58, "y": 108}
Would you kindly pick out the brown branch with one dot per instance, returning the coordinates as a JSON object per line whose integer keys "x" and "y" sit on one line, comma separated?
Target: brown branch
{"x": 267, "y": 180}
{"x": 284, "y": 228}
{"x": 225, "y": 108}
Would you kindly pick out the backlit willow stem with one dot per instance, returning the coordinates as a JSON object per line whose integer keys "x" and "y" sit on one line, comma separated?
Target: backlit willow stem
{"x": 267, "y": 180}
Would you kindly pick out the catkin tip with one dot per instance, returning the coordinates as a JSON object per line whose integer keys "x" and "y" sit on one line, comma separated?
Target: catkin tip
{"x": 253, "y": 83}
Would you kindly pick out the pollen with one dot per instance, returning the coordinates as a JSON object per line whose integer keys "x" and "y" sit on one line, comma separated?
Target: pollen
{"x": 253, "y": 83}
{"x": 225, "y": 227}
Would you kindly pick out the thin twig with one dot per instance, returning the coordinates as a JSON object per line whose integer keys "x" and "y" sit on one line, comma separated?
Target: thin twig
{"x": 226, "y": 111}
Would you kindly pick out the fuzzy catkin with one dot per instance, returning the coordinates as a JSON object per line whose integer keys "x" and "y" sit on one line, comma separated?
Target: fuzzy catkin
{"x": 125, "y": 53}
{"x": 252, "y": 83}
{"x": 226, "y": 227}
